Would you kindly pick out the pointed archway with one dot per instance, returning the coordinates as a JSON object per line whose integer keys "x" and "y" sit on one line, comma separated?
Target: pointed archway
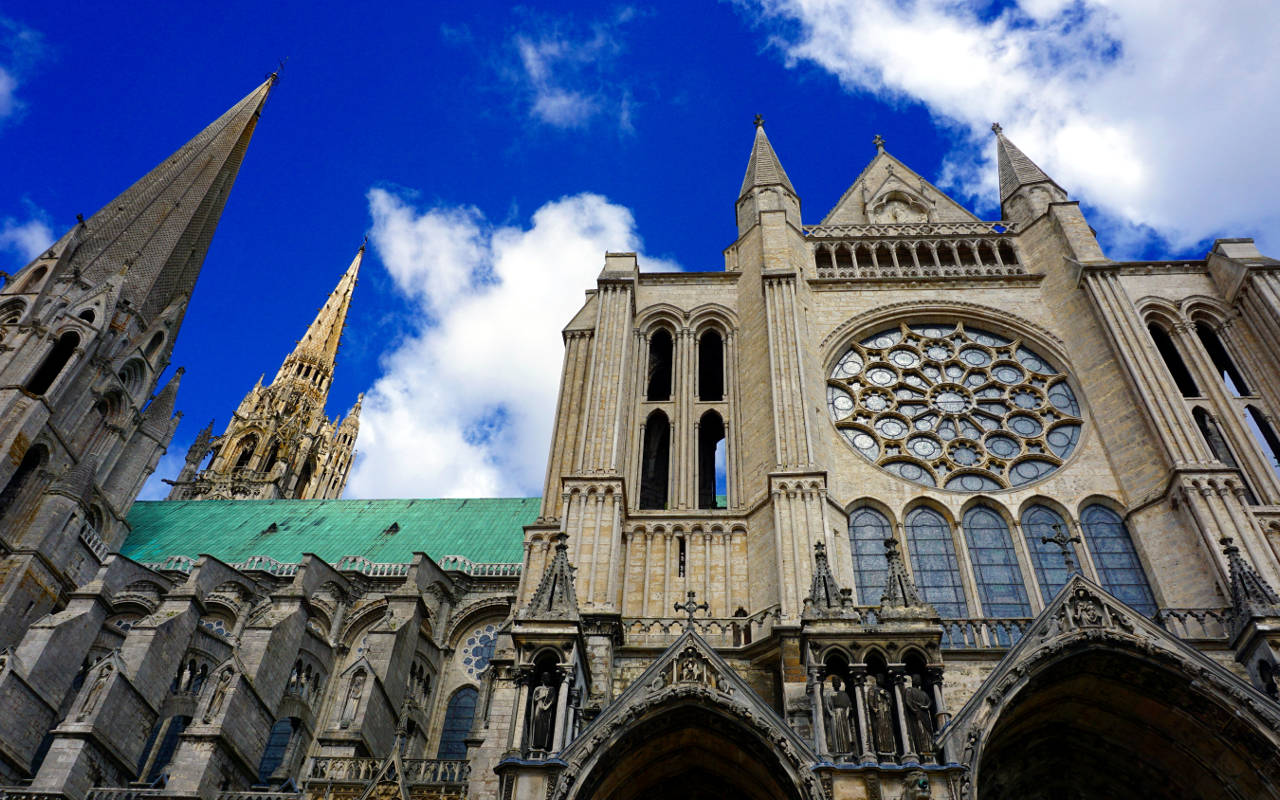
{"x": 1098, "y": 701}
{"x": 690, "y": 728}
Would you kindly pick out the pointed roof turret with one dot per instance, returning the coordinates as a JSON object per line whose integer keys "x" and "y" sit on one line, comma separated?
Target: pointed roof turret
{"x": 77, "y": 481}
{"x": 161, "y": 409}
{"x": 826, "y": 597}
{"x": 1251, "y": 595}
{"x": 764, "y": 168}
{"x": 158, "y": 231}
{"x": 320, "y": 343}
{"x": 1016, "y": 170}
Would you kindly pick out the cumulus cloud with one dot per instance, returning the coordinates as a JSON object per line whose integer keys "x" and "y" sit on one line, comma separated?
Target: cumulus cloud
{"x": 20, "y": 48}
{"x": 25, "y": 239}
{"x": 568, "y": 72}
{"x": 466, "y": 401}
{"x": 1161, "y": 115}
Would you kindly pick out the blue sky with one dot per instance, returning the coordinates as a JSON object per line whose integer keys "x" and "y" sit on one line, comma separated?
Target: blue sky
{"x": 493, "y": 152}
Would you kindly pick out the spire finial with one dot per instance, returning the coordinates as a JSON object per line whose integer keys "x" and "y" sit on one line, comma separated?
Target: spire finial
{"x": 759, "y": 121}
{"x": 364, "y": 243}
{"x": 996, "y": 129}
{"x": 878, "y": 141}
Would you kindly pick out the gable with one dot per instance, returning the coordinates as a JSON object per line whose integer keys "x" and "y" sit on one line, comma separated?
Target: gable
{"x": 887, "y": 188}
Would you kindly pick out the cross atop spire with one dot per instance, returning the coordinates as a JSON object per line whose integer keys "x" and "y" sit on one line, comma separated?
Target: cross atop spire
{"x": 759, "y": 121}
{"x": 878, "y": 141}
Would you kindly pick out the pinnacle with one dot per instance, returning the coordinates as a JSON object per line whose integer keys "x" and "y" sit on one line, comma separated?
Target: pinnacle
{"x": 325, "y": 333}
{"x": 1016, "y": 170}
{"x": 763, "y": 168}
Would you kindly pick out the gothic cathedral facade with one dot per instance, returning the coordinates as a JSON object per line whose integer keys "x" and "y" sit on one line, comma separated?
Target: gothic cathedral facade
{"x": 901, "y": 504}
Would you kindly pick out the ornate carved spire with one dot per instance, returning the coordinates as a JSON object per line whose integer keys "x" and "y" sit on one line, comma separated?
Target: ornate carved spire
{"x": 319, "y": 345}
{"x": 826, "y": 597}
{"x": 555, "y": 597}
{"x": 1251, "y": 596}
{"x": 900, "y": 591}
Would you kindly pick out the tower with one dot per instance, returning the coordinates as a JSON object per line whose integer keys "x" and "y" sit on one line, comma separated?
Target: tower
{"x": 279, "y": 443}
{"x": 86, "y": 329}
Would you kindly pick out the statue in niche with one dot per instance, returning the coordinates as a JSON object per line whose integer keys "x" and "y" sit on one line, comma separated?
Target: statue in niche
{"x": 219, "y": 695}
{"x": 352, "y": 703}
{"x": 839, "y": 718}
{"x": 95, "y": 691}
{"x": 544, "y": 711}
{"x": 919, "y": 709}
{"x": 880, "y": 708}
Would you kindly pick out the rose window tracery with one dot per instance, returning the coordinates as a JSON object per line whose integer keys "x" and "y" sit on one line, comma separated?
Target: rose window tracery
{"x": 478, "y": 649}
{"x": 955, "y": 407}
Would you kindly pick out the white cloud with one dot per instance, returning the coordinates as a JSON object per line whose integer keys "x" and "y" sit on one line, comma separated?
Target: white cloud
{"x": 569, "y": 76}
{"x": 20, "y": 47}
{"x": 27, "y": 239}
{"x": 465, "y": 405}
{"x": 1161, "y": 114}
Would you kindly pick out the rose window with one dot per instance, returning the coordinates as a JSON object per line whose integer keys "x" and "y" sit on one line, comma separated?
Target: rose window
{"x": 954, "y": 407}
{"x": 478, "y": 649}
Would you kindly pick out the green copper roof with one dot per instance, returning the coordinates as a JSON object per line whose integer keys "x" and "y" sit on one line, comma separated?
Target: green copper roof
{"x": 487, "y": 530}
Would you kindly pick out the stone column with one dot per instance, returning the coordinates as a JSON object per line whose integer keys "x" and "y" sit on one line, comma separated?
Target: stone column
{"x": 516, "y": 737}
{"x": 858, "y": 677}
{"x": 562, "y": 711}
{"x": 896, "y": 677}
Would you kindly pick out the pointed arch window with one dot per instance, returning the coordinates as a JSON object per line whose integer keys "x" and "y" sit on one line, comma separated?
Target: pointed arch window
{"x": 32, "y": 460}
{"x": 1119, "y": 567}
{"x": 53, "y": 363}
{"x": 248, "y": 445}
{"x": 457, "y": 724}
{"x": 934, "y": 563}
{"x": 1230, "y": 374}
{"x": 1173, "y": 360}
{"x": 868, "y": 529}
{"x": 1262, "y": 431}
{"x": 711, "y": 366}
{"x": 995, "y": 564}
{"x": 1049, "y": 561}
{"x": 655, "y": 462}
{"x": 277, "y": 745}
{"x": 661, "y": 347}
{"x": 1212, "y": 434}
{"x": 711, "y": 460}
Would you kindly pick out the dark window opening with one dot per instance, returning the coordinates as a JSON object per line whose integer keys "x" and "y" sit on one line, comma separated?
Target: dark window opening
{"x": 711, "y": 366}
{"x": 1265, "y": 434}
{"x": 711, "y": 460}
{"x": 660, "y": 353}
{"x": 655, "y": 462}
{"x": 682, "y": 558}
{"x": 273, "y": 453}
{"x": 248, "y": 445}
{"x": 53, "y": 363}
{"x": 1173, "y": 360}
{"x": 457, "y": 725}
{"x": 305, "y": 478}
{"x": 1218, "y": 446}
{"x": 154, "y": 344}
{"x": 88, "y": 316}
{"x": 277, "y": 744}
{"x": 31, "y": 461}
{"x": 1231, "y": 376}
{"x": 168, "y": 744}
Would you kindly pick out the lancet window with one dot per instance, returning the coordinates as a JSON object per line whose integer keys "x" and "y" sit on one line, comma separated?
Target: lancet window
{"x": 1119, "y": 568}
{"x": 457, "y": 724}
{"x": 933, "y": 562}
{"x": 995, "y": 564}
{"x": 655, "y": 462}
{"x": 1173, "y": 361}
{"x": 53, "y": 363}
{"x": 1048, "y": 559}
{"x": 661, "y": 348}
{"x": 868, "y": 529}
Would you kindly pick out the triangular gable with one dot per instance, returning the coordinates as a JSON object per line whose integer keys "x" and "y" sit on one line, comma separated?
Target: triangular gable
{"x": 388, "y": 781}
{"x": 886, "y": 174}
{"x": 690, "y": 668}
{"x": 1081, "y": 615}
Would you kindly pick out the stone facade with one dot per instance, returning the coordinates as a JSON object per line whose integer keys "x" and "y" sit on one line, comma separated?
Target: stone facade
{"x": 904, "y": 504}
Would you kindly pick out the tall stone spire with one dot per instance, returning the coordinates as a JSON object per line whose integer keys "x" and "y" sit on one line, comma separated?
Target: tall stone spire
{"x": 157, "y": 231}
{"x": 764, "y": 168}
{"x": 319, "y": 346}
{"x": 1018, "y": 174}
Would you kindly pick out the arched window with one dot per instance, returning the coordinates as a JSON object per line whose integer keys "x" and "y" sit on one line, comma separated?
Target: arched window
{"x": 1221, "y": 359}
{"x": 32, "y": 460}
{"x": 58, "y": 357}
{"x": 1212, "y": 434}
{"x": 1048, "y": 559}
{"x": 277, "y": 745}
{"x": 1118, "y": 566}
{"x": 711, "y": 366}
{"x": 655, "y": 462}
{"x": 1173, "y": 360}
{"x": 154, "y": 344}
{"x": 457, "y": 724}
{"x": 248, "y": 445}
{"x": 308, "y": 470}
{"x": 868, "y": 529}
{"x": 658, "y": 386}
{"x": 1265, "y": 434}
{"x": 933, "y": 560}
{"x": 995, "y": 565}
{"x": 273, "y": 453}
{"x": 37, "y": 275}
{"x": 711, "y": 460}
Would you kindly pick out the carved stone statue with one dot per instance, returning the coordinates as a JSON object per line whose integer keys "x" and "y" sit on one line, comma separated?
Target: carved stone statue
{"x": 839, "y": 719}
{"x": 219, "y": 695}
{"x": 543, "y": 715}
{"x": 352, "y": 703}
{"x": 880, "y": 709}
{"x": 95, "y": 692}
{"x": 919, "y": 716}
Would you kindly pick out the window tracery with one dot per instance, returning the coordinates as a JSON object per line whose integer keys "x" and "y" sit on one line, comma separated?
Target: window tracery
{"x": 478, "y": 648}
{"x": 955, "y": 407}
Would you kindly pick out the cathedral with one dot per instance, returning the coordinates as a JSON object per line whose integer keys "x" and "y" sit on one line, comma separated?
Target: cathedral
{"x": 899, "y": 504}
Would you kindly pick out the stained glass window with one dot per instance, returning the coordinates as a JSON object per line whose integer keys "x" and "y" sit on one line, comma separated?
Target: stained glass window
{"x": 868, "y": 529}
{"x": 1048, "y": 559}
{"x": 1117, "y": 562}
{"x": 478, "y": 649}
{"x": 457, "y": 724}
{"x": 277, "y": 743}
{"x": 995, "y": 565}
{"x": 933, "y": 562}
